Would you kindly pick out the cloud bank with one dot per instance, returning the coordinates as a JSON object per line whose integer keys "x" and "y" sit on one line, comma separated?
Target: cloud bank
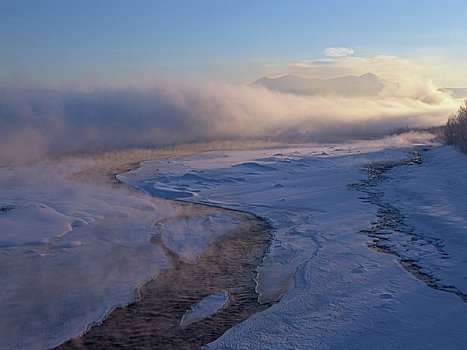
{"x": 37, "y": 122}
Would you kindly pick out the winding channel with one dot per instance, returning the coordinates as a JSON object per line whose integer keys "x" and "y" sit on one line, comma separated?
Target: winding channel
{"x": 391, "y": 221}
{"x": 154, "y": 321}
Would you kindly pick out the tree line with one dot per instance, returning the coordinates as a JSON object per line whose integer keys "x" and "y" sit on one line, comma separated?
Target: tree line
{"x": 456, "y": 128}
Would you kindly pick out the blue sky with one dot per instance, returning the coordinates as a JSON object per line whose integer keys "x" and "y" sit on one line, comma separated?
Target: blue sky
{"x": 58, "y": 39}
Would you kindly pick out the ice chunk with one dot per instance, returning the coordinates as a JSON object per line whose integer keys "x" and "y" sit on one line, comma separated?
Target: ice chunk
{"x": 205, "y": 308}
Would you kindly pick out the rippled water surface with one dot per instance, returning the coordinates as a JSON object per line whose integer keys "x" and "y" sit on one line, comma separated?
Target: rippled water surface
{"x": 154, "y": 321}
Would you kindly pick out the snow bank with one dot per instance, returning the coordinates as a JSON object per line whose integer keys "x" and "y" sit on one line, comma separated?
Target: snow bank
{"x": 432, "y": 197}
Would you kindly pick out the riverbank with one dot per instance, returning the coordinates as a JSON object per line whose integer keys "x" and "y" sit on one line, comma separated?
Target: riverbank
{"x": 228, "y": 264}
{"x": 103, "y": 167}
{"x": 71, "y": 250}
{"x": 155, "y": 320}
{"x": 333, "y": 290}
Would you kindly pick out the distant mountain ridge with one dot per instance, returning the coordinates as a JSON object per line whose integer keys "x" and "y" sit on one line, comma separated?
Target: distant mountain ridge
{"x": 368, "y": 84}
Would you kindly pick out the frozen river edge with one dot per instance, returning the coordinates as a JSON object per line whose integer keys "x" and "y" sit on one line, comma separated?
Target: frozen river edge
{"x": 72, "y": 251}
{"x": 226, "y": 266}
{"x": 333, "y": 290}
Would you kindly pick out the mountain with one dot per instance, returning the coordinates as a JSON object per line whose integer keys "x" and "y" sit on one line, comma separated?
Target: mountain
{"x": 349, "y": 86}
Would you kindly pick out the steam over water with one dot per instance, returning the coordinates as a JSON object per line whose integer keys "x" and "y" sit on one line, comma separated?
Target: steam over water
{"x": 154, "y": 322}
{"x": 36, "y": 122}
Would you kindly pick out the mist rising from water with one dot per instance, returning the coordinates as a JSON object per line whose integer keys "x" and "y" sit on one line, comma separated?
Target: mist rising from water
{"x": 37, "y": 122}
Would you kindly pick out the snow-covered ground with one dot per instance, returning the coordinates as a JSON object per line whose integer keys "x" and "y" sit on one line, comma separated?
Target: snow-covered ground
{"x": 70, "y": 251}
{"x": 433, "y": 199}
{"x": 335, "y": 292}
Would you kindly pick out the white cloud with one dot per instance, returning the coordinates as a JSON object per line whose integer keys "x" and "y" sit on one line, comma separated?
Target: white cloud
{"x": 338, "y": 51}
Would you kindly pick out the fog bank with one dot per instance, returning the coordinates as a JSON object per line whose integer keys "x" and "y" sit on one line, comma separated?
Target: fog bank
{"x": 36, "y": 122}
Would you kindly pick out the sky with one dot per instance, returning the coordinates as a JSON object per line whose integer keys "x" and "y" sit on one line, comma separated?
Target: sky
{"x": 89, "y": 75}
{"x": 231, "y": 40}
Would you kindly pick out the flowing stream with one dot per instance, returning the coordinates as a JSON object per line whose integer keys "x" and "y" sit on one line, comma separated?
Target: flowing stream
{"x": 229, "y": 264}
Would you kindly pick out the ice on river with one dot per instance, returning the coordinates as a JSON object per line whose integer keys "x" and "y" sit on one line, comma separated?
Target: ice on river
{"x": 206, "y": 307}
{"x": 71, "y": 251}
{"x": 334, "y": 291}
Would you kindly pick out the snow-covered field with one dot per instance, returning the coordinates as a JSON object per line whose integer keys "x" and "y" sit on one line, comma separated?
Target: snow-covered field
{"x": 71, "y": 251}
{"x": 433, "y": 199}
{"x": 335, "y": 292}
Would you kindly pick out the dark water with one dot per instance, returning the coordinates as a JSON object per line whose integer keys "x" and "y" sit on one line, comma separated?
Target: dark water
{"x": 153, "y": 322}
